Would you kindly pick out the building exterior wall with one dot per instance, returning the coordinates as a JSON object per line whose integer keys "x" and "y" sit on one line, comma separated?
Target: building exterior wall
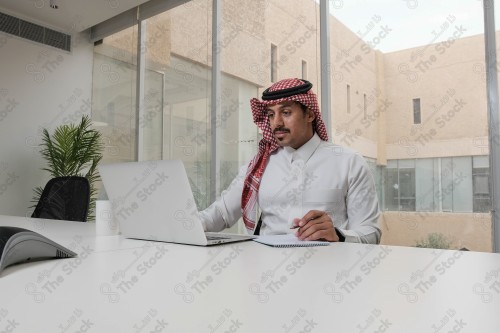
{"x": 463, "y": 230}
{"x": 452, "y": 95}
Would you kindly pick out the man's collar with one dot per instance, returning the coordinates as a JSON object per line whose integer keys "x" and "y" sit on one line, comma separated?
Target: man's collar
{"x": 305, "y": 151}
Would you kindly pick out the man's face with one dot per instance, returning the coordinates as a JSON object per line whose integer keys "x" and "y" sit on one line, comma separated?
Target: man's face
{"x": 290, "y": 125}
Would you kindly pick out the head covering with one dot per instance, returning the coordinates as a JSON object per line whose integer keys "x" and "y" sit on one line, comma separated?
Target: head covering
{"x": 285, "y": 90}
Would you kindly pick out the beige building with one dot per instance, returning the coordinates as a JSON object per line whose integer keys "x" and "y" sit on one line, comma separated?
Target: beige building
{"x": 418, "y": 115}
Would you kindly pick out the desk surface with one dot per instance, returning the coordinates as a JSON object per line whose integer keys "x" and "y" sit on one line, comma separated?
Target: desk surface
{"x": 122, "y": 285}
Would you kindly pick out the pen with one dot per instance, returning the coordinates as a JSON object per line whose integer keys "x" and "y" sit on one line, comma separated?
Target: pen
{"x": 298, "y": 226}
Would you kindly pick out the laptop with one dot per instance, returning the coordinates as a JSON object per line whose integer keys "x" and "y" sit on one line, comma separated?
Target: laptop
{"x": 152, "y": 200}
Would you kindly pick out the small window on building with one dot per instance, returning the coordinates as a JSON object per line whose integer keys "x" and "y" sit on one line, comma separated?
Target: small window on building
{"x": 348, "y": 93}
{"x": 304, "y": 70}
{"x": 416, "y": 111}
{"x": 364, "y": 106}
{"x": 274, "y": 63}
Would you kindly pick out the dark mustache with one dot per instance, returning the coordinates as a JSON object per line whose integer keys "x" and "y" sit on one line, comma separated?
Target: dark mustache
{"x": 281, "y": 129}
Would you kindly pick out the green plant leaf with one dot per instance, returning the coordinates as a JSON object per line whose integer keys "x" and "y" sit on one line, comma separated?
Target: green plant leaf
{"x": 72, "y": 150}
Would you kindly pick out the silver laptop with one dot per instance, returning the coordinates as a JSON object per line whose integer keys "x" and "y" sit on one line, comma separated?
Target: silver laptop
{"x": 152, "y": 200}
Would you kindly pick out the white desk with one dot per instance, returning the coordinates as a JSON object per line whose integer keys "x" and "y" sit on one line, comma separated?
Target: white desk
{"x": 119, "y": 285}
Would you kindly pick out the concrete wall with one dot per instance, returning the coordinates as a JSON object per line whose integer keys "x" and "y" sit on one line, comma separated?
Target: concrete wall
{"x": 452, "y": 95}
{"x": 354, "y": 63}
{"x": 469, "y": 230}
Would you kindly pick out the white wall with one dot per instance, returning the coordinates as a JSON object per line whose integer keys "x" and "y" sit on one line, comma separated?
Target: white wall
{"x": 40, "y": 87}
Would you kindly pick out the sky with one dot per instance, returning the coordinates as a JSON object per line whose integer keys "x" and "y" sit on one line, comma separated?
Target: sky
{"x": 410, "y": 23}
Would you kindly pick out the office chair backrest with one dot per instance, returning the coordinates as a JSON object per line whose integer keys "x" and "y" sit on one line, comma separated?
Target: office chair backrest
{"x": 64, "y": 198}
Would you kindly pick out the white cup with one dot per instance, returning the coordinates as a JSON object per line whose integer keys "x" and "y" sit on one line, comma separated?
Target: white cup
{"x": 104, "y": 222}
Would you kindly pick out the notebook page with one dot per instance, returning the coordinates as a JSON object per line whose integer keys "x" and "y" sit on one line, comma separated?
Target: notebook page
{"x": 287, "y": 240}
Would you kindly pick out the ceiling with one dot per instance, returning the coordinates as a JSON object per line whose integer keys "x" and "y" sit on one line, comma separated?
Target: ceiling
{"x": 71, "y": 15}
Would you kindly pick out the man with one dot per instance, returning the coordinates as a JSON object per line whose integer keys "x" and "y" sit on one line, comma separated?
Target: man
{"x": 298, "y": 182}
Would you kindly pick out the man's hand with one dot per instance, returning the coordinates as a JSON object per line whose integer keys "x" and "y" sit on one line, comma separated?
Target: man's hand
{"x": 315, "y": 225}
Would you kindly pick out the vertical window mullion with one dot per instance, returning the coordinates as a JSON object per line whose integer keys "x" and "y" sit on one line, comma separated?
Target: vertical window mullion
{"x": 139, "y": 95}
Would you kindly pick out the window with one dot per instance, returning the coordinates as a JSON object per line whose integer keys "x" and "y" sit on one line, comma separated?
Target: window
{"x": 416, "y": 111}
{"x": 381, "y": 53}
{"x": 400, "y": 185}
{"x": 481, "y": 184}
{"x": 406, "y": 185}
{"x": 348, "y": 97}
{"x": 114, "y": 95}
{"x": 429, "y": 168}
{"x": 391, "y": 189}
{"x": 274, "y": 63}
{"x": 426, "y": 184}
{"x": 448, "y": 184}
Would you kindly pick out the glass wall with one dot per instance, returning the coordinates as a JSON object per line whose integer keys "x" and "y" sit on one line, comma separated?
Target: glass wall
{"x": 261, "y": 42}
{"x": 177, "y": 44}
{"x": 415, "y": 103}
{"x": 405, "y": 93}
{"x": 114, "y": 94}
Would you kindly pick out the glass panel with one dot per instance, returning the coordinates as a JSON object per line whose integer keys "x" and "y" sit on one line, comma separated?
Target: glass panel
{"x": 481, "y": 184}
{"x": 446, "y": 185}
{"x": 410, "y": 164}
{"x": 462, "y": 184}
{"x": 421, "y": 66}
{"x": 480, "y": 162}
{"x": 376, "y": 172}
{"x": 425, "y": 185}
{"x": 391, "y": 191}
{"x": 238, "y": 136}
{"x": 407, "y": 185}
{"x": 151, "y": 119}
{"x": 392, "y": 163}
{"x": 177, "y": 50}
{"x": 113, "y": 95}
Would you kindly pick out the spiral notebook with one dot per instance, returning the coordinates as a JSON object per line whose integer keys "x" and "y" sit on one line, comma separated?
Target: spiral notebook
{"x": 287, "y": 240}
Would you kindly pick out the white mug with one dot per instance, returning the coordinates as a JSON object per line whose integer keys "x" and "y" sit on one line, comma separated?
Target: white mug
{"x": 104, "y": 222}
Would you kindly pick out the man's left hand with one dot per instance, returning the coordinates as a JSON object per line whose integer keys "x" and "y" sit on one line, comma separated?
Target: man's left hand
{"x": 316, "y": 225}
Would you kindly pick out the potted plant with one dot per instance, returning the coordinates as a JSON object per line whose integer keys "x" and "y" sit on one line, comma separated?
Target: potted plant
{"x": 73, "y": 150}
